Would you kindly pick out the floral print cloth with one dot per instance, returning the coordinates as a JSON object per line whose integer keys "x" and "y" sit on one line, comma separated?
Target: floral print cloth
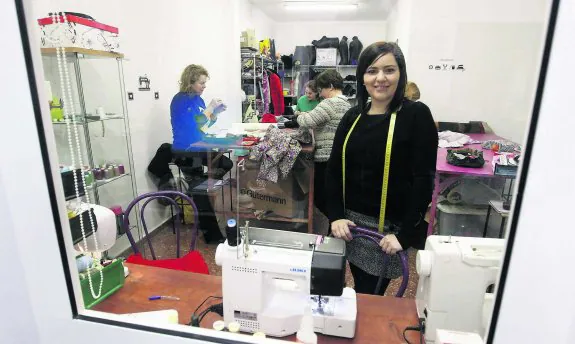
{"x": 277, "y": 152}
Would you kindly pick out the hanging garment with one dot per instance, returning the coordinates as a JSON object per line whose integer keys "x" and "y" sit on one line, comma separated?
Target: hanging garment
{"x": 288, "y": 61}
{"x": 344, "y": 51}
{"x": 355, "y": 48}
{"x": 266, "y": 92}
{"x": 326, "y": 42}
{"x": 302, "y": 55}
{"x": 276, "y": 92}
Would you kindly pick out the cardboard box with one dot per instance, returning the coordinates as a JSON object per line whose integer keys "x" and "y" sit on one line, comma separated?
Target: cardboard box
{"x": 285, "y": 198}
{"x": 248, "y": 39}
{"x": 326, "y": 57}
{"x": 80, "y": 33}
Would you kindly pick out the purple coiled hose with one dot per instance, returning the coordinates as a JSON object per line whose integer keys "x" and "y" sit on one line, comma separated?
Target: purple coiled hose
{"x": 359, "y": 232}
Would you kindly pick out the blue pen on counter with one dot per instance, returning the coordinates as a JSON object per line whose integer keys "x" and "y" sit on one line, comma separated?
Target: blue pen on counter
{"x": 162, "y": 297}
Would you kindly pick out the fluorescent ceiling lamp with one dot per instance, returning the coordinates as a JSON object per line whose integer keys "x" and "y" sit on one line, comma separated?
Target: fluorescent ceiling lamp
{"x": 318, "y": 6}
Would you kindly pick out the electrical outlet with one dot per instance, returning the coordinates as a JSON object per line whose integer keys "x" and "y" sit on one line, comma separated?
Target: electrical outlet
{"x": 130, "y": 96}
{"x": 157, "y": 95}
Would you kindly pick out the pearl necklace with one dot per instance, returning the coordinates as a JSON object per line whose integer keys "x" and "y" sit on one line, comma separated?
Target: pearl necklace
{"x": 68, "y": 110}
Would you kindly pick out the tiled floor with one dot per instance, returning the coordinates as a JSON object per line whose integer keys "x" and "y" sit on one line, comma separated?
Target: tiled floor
{"x": 164, "y": 242}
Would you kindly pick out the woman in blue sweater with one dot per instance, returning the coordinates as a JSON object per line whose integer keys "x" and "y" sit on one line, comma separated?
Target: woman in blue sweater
{"x": 191, "y": 118}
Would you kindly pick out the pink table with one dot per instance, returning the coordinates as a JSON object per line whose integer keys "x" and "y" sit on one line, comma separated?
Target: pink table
{"x": 443, "y": 168}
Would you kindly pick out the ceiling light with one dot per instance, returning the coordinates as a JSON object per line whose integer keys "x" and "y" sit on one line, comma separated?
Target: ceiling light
{"x": 319, "y": 6}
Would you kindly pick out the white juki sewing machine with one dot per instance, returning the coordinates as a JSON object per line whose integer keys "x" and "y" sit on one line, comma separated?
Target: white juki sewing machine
{"x": 269, "y": 276}
{"x": 454, "y": 274}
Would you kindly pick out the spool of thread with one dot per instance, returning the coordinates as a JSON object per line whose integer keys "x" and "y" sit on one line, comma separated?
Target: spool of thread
{"x": 88, "y": 177}
{"x": 234, "y": 327}
{"x": 119, "y": 213}
{"x": 96, "y": 173}
{"x": 107, "y": 174}
{"x": 219, "y": 325}
{"x": 84, "y": 263}
{"x": 121, "y": 169}
{"x": 232, "y": 232}
{"x": 117, "y": 170}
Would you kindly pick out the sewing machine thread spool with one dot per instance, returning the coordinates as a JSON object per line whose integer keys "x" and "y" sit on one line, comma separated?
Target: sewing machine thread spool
{"x": 232, "y": 232}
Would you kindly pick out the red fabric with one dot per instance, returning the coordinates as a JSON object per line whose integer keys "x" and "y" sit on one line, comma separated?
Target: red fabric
{"x": 80, "y": 20}
{"x": 269, "y": 118}
{"x": 191, "y": 262}
{"x": 276, "y": 93}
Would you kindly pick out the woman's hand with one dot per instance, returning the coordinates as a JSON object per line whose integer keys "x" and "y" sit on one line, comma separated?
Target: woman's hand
{"x": 221, "y": 108}
{"x": 390, "y": 245}
{"x": 214, "y": 107}
{"x": 340, "y": 229}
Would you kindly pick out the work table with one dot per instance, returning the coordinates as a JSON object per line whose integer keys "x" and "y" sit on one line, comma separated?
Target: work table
{"x": 380, "y": 319}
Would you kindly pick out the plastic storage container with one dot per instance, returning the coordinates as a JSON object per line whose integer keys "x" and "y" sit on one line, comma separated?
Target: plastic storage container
{"x": 467, "y": 221}
{"x": 113, "y": 280}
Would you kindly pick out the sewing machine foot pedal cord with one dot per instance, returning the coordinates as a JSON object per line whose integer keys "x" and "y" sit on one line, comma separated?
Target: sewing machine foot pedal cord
{"x": 420, "y": 328}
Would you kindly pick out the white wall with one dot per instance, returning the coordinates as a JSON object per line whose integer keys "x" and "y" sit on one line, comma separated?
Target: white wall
{"x": 197, "y": 32}
{"x": 290, "y": 34}
{"x": 399, "y": 24}
{"x": 500, "y": 45}
{"x": 251, "y": 17}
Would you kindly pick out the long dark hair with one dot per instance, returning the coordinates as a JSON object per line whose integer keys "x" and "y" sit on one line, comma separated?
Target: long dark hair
{"x": 367, "y": 57}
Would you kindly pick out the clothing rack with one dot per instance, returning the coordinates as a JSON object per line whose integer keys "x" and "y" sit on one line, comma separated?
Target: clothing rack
{"x": 252, "y": 73}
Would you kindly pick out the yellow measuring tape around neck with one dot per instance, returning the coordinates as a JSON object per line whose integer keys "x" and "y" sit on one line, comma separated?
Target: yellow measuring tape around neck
{"x": 386, "y": 165}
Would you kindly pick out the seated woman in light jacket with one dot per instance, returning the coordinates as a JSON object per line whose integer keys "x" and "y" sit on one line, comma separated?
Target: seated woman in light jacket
{"x": 324, "y": 120}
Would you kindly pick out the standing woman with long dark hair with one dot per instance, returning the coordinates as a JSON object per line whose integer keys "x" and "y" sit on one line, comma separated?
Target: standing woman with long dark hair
{"x": 355, "y": 172}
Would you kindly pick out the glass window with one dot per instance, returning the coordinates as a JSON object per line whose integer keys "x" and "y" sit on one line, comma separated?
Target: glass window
{"x": 236, "y": 178}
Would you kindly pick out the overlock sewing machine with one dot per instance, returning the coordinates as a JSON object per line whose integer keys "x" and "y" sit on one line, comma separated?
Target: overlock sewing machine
{"x": 454, "y": 276}
{"x": 270, "y": 276}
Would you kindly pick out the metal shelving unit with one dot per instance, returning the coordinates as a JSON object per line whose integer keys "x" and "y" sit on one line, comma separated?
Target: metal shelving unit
{"x": 97, "y": 82}
{"x": 344, "y": 70}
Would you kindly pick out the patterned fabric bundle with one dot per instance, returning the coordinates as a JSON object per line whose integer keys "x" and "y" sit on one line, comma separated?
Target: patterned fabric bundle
{"x": 277, "y": 152}
{"x": 504, "y": 146}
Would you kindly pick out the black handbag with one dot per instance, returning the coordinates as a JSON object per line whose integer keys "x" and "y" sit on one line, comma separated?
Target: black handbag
{"x": 465, "y": 157}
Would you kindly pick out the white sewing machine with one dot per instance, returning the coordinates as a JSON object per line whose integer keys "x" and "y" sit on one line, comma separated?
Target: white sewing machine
{"x": 270, "y": 276}
{"x": 454, "y": 274}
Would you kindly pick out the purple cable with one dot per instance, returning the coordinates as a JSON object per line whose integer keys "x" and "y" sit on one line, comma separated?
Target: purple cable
{"x": 374, "y": 236}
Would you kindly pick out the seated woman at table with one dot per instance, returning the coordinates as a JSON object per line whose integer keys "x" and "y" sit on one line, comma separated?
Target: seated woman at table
{"x": 310, "y": 100}
{"x": 191, "y": 118}
{"x": 362, "y": 139}
{"x": 324, "y": 119}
